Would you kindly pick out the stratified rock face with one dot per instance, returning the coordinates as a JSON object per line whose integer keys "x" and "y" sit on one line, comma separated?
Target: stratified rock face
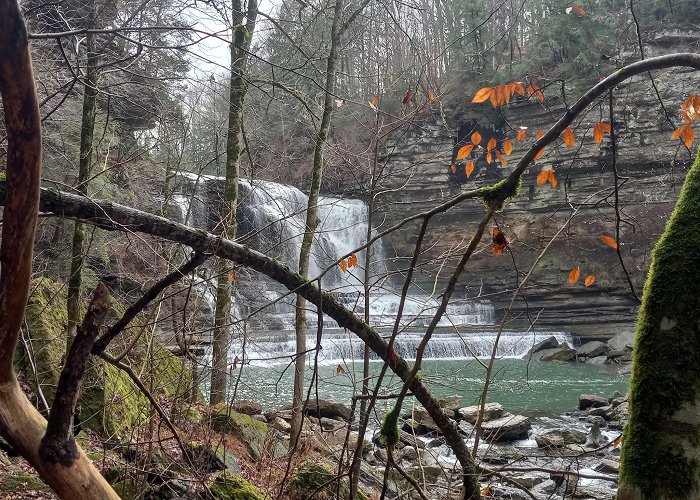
{"x": 651, "y": 169}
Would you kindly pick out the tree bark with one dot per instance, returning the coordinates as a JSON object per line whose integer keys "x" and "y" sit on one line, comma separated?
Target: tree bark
{"x": 312, "y": 223}
{"x": 20, "y": 423}
{"x": 240, "y": 46}
{"x": 660, "y": 448}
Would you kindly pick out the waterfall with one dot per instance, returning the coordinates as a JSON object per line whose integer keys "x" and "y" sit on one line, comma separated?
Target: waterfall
{"x": 337, "y": 347}
{"x": 272, "y": 218}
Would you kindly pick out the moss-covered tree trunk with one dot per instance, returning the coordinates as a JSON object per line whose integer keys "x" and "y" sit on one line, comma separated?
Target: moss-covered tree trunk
{"x": 661, "y": 441}
{"x": 240, "y": 46}
{"x": 312, "y": 221}
{"x": 87, "y": 129}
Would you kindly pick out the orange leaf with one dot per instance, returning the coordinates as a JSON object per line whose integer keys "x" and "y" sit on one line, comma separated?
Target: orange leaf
{"x": 476, "y": 138}
{"x": 486, "y": 491}
{"x": 610, "y": 241}
{"x": 483, "y": 94}
{"x": 494, "y": 98}
{"x": 489, "y": 158}
{"x": 580, "y": 10}
{"x": 499, "y": 241}
{"x": 469, "y": 168}
{"x": 552, "y": 180}
{"x": 685, "y": 133}
{"x": 491, "y": 144}
{"x": 519, "y": 88}
{"x": 568, "y": 137}
{"x": 542, "y": 177}
{"x": 574, "y": 275}
{"x": 431, "y": 96}
{"x": 617, "y": 441}
{"x": 530, "y": 90}
{"x": 374, "y": 102}
{"x": 507, "y": 147}
{"x": 352, "y": 260}
{"x": 464, "y": 151}
{"x": 407, "y": 98}
{"x": 522, "y": 133}
{"x": 232, "y": 277}
{"x": 453, "y": 168}
{"x": 538, "y": 93}
{"x": 539, "y": 154}
{"x": 339, "y": 370}
{"x": 343, "y": 265}
{"x": 539, "y": 134}
{"x": 501, "y": 158}
{"x": 590, "y": 279}
{"x": 599, "y": 129}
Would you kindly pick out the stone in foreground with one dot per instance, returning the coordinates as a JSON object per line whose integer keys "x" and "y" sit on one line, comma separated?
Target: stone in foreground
{"x": 506, "y": 428}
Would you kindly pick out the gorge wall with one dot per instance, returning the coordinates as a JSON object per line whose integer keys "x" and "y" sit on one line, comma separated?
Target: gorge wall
{"x": 651, "y": 170}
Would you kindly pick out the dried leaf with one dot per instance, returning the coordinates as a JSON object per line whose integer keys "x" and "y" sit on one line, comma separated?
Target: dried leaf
{"x": 685, "y": 133}
{"x": 590, "y": 279}
{"x": 552, "y": 179}
{"x": 568, "y": 137}
{"x": 489, "y": 158}
{"x": 407, "y": 98}
{"x": 522, "y": 133}
{"x": 617, "y": 441}
{"x": 232, "y": 277}
{"x": 538, "y": 93}
{"x": 343, "y": 265}
{"x": 499, "y": 241}
{"x": 469, "y": 168}
{"x": 485, "y": 491}
{"x": 507, "y": 147}
{"x": 464, "y": 151}
{"x": 453, "y": 168}
{"x": 501, "y": 158}
{"x": 352, "y": 260}
{"x": 491, "y": 145}
{"x": 374, "y": 102}
{"x": 483, "y": 94}
{"x": 574, "y": 275}
{"x": 539, "y": 134}
{"x": 431, "y": 96}
{"x": 494, "y": 98}
{"x": 476, "y": 138}
{"x": 599, "y": 129}
{"x": 610, "y": 241}
{"x": 542, "y": 177}
{"x": 340, "y": 370}
{"x": 539, "y": 154}
{"x": 339, "y": 103}
{"x": 519, "y": 88}
{"x": 580, "y": 10}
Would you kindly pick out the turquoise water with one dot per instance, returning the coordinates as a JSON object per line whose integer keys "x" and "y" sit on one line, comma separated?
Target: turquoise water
{"x": 520, "y": 386}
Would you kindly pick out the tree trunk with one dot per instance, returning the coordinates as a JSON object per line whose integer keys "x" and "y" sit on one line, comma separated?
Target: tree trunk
{"x": 660, "y": 446}
{"x": 312, "y": 224}
{"x": 86, "y": 139}
{"x": 20, "y": 423}
{"x": 240, "y": 46}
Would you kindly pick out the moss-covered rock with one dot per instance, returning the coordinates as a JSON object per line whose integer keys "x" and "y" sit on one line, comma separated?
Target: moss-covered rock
{"x": 248, "y": 430}
{"x": 314, "y": 480}
{"x": 110, "y": 402}
{"x": 230, "y": 486}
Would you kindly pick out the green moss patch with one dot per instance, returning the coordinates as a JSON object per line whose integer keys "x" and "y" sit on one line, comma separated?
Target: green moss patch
{"x": 249, "y": 431}
{"x": 230, "y": 486}
{"x": 21, "y": 482}
{"x": 314, "y": 480}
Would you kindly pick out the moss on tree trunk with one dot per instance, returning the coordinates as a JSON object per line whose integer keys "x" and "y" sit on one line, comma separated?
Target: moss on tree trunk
{"x": 661, "y": 442}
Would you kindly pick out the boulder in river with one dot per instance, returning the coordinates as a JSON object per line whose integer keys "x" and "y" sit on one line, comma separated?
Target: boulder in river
{"x": 507, "y": 428}
{"x": 592, "y": 349}
{"x": 558, "y": 438}
{"x": 470, "y": 413}
{"x": 586, "y": 401}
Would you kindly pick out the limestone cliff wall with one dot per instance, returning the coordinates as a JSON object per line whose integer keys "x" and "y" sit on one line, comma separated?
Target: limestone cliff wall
{"x": 651, "y": 168}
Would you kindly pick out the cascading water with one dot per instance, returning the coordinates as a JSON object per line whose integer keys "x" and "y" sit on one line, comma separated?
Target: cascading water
{"x": 272, "y": 218}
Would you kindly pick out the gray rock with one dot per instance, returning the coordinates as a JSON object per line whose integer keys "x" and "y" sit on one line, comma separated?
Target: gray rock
{"x": 465, "y": 428}
{"x": 598, "y": 360}
{"x": 507, "y": 428}
{"x": 558, "y": 438}
{"x": 450, "y": 404}
{"x": 595, "y": 419}
{"x": 563, "y": 353}
{"x": 280, "y": 424}
{"x": 529, "y": 481}
{"x": 608, "y": 466}
{"x": 622, "y": 341}
{"x": 593, "y": 349}
{"x": 621, "y": 411}
{"x": 408, "y": 453}
{"x": 247, "y": 407}
{"x": 470, "y": 413}
{"x": 548, "y": 343}
{"x": 586, "y": 401}
{"x": 331, "y": 424}
{"x": 595, "y": 438}
{"x": 425, "y": 422}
